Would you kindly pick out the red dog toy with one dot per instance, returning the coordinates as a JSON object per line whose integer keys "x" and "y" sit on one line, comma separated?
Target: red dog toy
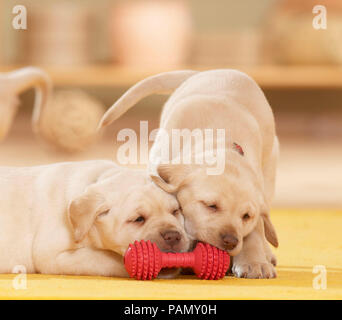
{"x": 144, "y": 260}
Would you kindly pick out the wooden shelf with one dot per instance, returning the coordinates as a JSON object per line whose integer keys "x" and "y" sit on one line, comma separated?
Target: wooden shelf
{"x": 268, "y": 77}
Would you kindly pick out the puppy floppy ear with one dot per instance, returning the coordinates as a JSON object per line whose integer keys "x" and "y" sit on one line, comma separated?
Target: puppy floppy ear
{"x": 83, "y": 211}
{"x": 270, "y": 232}
{"x": 170, "y": 176}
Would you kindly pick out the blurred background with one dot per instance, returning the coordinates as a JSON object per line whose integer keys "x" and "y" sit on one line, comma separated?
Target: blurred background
{"x": 105, "y": 46}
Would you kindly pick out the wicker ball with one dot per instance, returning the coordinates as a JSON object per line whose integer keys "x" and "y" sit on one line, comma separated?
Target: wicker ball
{"x": 70, "y": 119}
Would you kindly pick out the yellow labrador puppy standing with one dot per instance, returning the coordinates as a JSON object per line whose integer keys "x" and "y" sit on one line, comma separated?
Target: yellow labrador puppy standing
{"x": 229, "y": 210}
{"x": 79, "y": 217}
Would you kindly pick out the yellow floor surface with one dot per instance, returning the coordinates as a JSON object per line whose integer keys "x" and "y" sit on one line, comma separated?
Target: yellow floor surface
{"x": 308, "y": 238}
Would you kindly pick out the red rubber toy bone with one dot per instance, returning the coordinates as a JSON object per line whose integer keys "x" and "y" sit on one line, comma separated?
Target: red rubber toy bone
{"x": 144, "y": 260}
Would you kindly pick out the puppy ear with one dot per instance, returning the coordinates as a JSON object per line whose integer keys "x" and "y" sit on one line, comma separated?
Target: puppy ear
{"x": 83, "y": 211}
{"x": 170, "y": 176}
{"x": 270, "y": 232}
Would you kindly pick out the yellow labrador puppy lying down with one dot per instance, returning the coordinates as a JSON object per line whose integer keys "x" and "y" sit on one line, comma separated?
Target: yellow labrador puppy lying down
{"x": 78, "y": 218}
{"x": 229, "y": 210}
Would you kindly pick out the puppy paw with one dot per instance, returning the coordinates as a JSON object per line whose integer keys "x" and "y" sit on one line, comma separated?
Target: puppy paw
{"x": 254, "y": 270}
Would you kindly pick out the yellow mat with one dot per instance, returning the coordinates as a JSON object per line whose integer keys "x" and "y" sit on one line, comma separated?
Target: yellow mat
{"x": 308, "y": 238}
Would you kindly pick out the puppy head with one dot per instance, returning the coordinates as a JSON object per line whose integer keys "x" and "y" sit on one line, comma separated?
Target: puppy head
{"x": 126, "y": 207}
{"x": 219, "y": 209}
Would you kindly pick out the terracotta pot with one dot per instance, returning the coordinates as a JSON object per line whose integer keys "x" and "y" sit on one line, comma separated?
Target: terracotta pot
{"x": 150, "y": 33}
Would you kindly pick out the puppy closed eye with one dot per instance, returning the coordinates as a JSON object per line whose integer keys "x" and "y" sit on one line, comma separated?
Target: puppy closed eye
{"x": 140, "y": 219}
{"x": 103, "y": 214}
{"x": 213, "y": 207}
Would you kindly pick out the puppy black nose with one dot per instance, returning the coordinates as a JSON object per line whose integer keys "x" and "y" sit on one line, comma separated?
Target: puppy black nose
{"x": 171, "y": 237}
{"x": 229, "y": 241}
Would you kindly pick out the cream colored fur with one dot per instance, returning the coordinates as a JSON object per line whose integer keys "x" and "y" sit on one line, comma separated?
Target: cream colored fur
{"x": 79, "y": 217}
{"x": 236, "y": 203}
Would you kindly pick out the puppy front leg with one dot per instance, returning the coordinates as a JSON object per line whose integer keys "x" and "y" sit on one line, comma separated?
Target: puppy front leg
{"x": 269, "y": 171}
{"x": 91, "y": 262}
{"x": 270, "y": 256}
{"x": 252, "y": 262}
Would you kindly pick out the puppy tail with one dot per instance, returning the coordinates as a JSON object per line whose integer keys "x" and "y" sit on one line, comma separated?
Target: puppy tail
{"x": 163, "y": 83}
